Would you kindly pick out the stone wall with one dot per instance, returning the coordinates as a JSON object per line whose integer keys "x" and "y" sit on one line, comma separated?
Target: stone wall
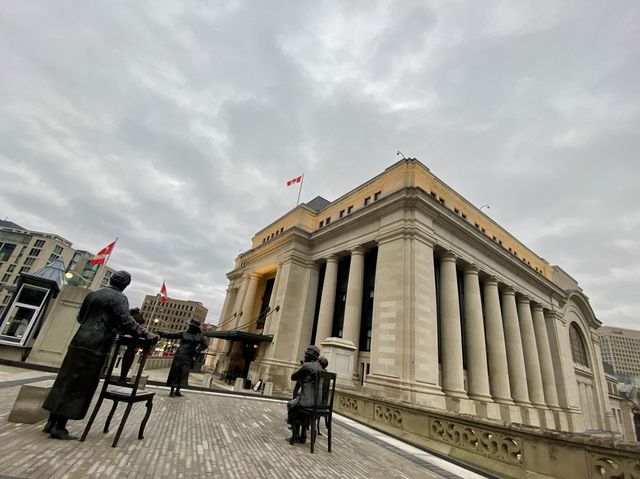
{"x": 507, "y": 450}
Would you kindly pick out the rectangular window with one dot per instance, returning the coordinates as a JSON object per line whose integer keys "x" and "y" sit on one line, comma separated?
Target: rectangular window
{"x": 6, "y": 278}
{"x": 24, "y": 269}
{"x": 376, "y": 195}
{"x": 34, "y": 252}
{"x": 11, "y": 268}
{"x": 57, "y": 249}
{"x": 327, "y": 221}
{"x": 23, "y": 314}
{"x": 321, "y": 224}
{"x": 29, "y": 261}
{"x": 464, "y": 217}
{"x": 39, "y": 243}
{"x": 53, "y": 257}
{"x": 349, "y": 209}
{"x": 457, "y": 211}
{"x": 441, "y": 200}
{"x": 6, "y": 250}
{"x": 367, "y": 200}
{"x": 341, "y": 213}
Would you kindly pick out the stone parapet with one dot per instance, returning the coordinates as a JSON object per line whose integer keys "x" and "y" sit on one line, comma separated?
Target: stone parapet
{"x": 507, "y": 450}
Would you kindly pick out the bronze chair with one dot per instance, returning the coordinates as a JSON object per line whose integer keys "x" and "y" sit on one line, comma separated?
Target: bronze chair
{"x": 324, "y": 385}
{"x": 122, "y": 391}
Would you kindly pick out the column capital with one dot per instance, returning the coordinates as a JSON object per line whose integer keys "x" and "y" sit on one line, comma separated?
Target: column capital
{"x": 536, "y": 307}
{"x": 521, "y": 298}
{"x": 357, "y": 250}
{"x": 332, "y": 258}
{"x": 508, "y": 290}
{"x": 471, "y": 269}
{"x": 448, "y": 256}
{"x": 253, "y": 275}
{"x": 491, "y": 281}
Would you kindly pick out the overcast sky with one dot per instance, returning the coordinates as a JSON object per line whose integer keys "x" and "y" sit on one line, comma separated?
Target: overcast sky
{"x": 175, "y": 125}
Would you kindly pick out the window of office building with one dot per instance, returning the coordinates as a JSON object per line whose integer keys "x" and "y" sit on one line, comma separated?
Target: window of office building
{"x": 58, "y": 249}
{"x": 39, "y": 243}
{"x": 6, "y": 250}
{"x": 23, "y": 314}
{"x": 34, "y": 252}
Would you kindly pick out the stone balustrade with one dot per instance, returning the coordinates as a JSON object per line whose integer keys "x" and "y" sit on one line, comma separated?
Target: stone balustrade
{"x": 507, "y": 450}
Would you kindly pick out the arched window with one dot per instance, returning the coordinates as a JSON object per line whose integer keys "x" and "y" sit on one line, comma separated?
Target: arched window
{"x": 578, "y": 349}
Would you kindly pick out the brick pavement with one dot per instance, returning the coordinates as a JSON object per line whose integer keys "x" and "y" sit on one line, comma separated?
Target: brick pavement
{"x": 203, "y": 435}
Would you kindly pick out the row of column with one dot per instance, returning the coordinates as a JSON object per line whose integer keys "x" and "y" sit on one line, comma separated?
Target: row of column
{"x": 508, "y": 349}
{"x": 353, "y": 306}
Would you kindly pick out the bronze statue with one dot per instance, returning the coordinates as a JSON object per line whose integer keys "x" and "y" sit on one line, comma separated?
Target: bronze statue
{"x": 104, "y": 313}
{"x": 305, "y": 375}
{"x": 191, "y": 343}
{"x": 130, "y": 352}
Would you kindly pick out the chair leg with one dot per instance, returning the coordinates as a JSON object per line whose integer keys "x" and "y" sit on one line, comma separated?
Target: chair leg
{"x": 122, "y": 423}
{"x": 313, "y": 433}
{"x": 110, "y": 417}
{"x": 329, "y": 417}
{"x": 92, "y": 418}
{"x": 146, "y": 418}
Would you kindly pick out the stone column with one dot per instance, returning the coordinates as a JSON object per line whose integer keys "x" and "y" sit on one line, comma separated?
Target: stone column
{"x": 272, "y": 301}
{"x": 496, "y": 349}
{"x": 515, "y": 354}
{"x": 327, "y": 300}
{"x": 353, "y": 306}
{"x": 451, "y": 331}
{"x": 530, "y": 350}
{"x": 544, "y": 353}
{"x": 249, "y": 303}
{"x": 477, "y": 372}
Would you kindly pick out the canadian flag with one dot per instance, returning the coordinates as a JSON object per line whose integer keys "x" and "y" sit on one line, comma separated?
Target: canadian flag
{"x": 103, "y": 254}
{"x": 163, "y": 292}
{"x": 297, "y": 179}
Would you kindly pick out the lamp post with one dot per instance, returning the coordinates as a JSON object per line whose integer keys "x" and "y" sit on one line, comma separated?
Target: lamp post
{"x": 73, "y": 275}
{"x": 485, "y": 206}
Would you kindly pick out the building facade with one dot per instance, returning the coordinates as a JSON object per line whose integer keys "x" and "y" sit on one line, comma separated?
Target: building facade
{"x": 621, "y": 349}
{"x": 171, "y": 316}
{"x": 25, "y": 251}
{"x": 417, "y": 296}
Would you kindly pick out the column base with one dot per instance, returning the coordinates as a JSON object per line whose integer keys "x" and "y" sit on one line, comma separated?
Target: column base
{"x": 547, "y": 420}
{"x": 530, "y": 416}
{"x": 342, "y": 356}
{"x": 510, "y": 413}
{"x": 423, "y": 394}
{"x": 560, "y": 419}
{"x": 462, "y": 405}
{"x": 487, "y": 409}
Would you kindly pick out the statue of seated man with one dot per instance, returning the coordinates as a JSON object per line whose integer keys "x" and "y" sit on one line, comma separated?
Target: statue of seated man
{"x": 305, "y": 376}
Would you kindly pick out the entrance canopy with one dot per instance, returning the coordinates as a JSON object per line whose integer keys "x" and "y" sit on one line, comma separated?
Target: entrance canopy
{"x": 235, "y": 335}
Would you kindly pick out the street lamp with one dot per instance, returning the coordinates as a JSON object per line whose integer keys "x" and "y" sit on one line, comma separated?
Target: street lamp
{"x": 485, "y": 206}
{"x": 73, "y": 275}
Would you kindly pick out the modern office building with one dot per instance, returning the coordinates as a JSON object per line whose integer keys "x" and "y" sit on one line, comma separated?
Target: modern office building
{"x": 172, "y": 315}
{"x": 621, "y": 348}
{"x": 25, "y": 251}
{"x": 416, "y": 296}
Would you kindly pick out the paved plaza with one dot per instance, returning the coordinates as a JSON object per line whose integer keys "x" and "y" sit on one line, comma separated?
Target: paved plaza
{"x": 204, "y": 435}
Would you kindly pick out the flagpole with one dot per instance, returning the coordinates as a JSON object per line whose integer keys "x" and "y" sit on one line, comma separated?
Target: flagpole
{"x": 300, "y": 190}
{"x": 109, "y": 257}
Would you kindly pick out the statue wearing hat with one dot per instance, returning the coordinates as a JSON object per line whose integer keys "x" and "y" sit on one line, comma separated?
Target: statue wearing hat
{"x": 305, "y": 376}
{"x": 103, "y": 315}
{"x": 191, "y": 343}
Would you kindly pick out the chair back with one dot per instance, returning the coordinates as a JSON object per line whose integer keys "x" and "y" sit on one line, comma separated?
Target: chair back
{"x": 325, "y": 386}
{"x": 125, "y": 341}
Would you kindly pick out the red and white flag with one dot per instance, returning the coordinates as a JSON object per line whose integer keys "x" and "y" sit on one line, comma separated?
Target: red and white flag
{"x": 297, "y": 179}
{"x": 102, "y": 255}
{"x": 163, "y": 292}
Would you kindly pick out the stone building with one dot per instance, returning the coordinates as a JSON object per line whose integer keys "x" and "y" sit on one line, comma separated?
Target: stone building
{"x": 415, "y": 295}
{"x": 171, "y": 316}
